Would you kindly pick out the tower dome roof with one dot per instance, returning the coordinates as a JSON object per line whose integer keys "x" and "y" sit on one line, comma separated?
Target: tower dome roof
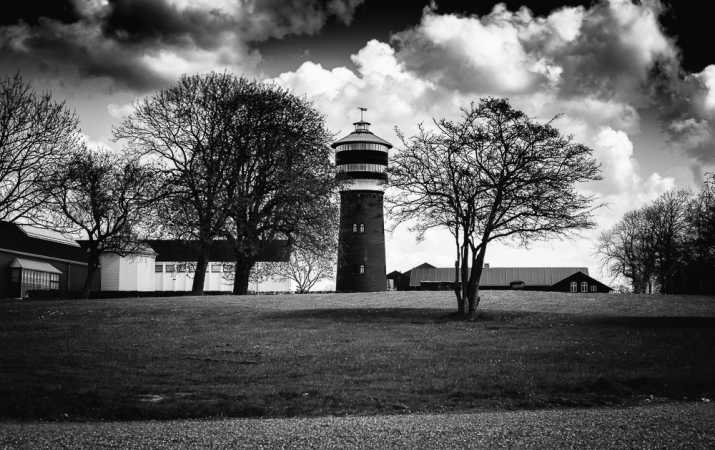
{"x": 361, "y": 134}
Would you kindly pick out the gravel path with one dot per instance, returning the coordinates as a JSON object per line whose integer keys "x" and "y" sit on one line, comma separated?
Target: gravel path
{"x": 689, "y": 425}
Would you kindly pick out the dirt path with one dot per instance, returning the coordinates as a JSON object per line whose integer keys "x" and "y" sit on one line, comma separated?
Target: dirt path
{"x": 675, "y": 425}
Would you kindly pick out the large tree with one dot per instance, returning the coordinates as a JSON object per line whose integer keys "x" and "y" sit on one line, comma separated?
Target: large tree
{"x": 101, "y": 196}
{"x": 285, "y": 179}
{"x": 35, "y": 133}
{"x": 242, "y": 160}
{"x": 188, "y": 130}
{"x": 493, "y": 174}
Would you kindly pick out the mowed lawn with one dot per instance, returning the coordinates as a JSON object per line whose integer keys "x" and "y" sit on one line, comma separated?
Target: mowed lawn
{"x": 306, "y": 355}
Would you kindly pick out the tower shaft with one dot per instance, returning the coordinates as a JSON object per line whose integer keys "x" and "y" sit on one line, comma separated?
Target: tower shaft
{"x": 361, "y": 250}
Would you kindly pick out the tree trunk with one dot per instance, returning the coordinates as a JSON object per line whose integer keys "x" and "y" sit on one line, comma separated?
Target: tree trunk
{"x": 241, "y": 276}
{"x": 200, "y": 274}
{"x": 458, "y": 290}
{"x": 92, "y": 264}
{"x": 473, "y": 285}
{"x": 464, "y": 277}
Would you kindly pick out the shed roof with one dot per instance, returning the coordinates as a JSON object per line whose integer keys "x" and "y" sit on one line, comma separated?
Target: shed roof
{"x": 29, "y": 264}
{"x": 497, "y": 276}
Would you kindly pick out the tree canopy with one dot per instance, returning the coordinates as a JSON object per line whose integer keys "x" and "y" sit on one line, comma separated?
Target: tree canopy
{"x": 493, "y": 174}
{"x": 35, "y": 133}
{"x": 243, "y": 161}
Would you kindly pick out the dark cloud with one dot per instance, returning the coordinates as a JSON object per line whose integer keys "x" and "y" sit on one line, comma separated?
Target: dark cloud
{"x": 30, "y": 11}
{"x": 136, "y": 42}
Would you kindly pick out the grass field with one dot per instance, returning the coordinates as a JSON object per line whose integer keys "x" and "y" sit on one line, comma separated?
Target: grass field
{"x": 306, "y": 355}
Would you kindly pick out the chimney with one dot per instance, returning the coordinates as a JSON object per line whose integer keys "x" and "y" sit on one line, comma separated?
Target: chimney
{"x": 486, "y": 265}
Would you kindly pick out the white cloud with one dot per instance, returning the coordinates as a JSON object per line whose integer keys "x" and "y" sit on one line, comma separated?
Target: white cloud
{"x": 120, "y": 111}
{"x": 708, "y": 78}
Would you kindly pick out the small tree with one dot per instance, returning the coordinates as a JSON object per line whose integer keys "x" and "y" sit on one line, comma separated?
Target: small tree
{"x": 35, "y": 132}
{"x": 494, "y": 174}
{"x": 101, "y": 196}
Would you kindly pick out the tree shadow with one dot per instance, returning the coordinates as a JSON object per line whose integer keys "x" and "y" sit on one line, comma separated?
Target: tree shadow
{"x": 396, "y": 315}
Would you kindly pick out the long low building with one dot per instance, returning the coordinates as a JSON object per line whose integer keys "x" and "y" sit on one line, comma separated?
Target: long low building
{"x": 563, "y": 279}
{"x": 35, "y": 259}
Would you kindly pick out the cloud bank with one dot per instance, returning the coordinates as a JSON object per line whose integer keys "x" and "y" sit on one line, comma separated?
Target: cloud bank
{"x": 143, "y": 44}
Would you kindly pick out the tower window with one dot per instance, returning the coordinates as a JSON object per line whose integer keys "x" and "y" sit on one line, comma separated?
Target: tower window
{"x": 354, "y": 228}
{"x": 362, "y": 268}
{"x": 362, "y": 227}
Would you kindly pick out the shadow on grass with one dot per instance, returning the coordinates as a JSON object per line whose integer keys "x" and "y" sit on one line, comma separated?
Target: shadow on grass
{"x": 651, "y": 322}
{"x": 401, "y": 315}
{"x": 489, "y": 318}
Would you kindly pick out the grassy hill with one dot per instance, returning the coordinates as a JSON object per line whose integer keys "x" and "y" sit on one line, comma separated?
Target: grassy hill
{"x": 296, "y": 355}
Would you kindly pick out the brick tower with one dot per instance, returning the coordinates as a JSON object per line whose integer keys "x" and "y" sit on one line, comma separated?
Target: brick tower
{"x": 361, "y": 162}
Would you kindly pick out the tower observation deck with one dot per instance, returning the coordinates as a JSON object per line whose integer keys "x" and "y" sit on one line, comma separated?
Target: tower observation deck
{"x": 361, "y": 165}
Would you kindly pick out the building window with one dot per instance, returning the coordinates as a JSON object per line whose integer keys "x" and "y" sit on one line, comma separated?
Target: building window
{"x": 181, "y": 267}
{"x": 594, "y": 288}
{"x": 228, "y": 268}
{"x": 169, "y": 268}
{"x": 216, "y": 267}
{"x": 362, "y": 227}
{"x": 584, "y": 286}
{"x": 362, "y": 167}
{"x": 361, "y": 146}
{"x": 158, "y": 268}
{"x": 354, "y": 228}
{"x": 362, "y": 268}
{"x": 54, "y": 281}
{"x": 574, "y": 286}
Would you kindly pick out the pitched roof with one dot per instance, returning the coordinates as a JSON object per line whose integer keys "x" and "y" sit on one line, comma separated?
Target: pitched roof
{"x": 28, "y": 240}
{"x": 219, "y": 250}
{"x": 497, "y": 276}
{"x": 564, "y": 283}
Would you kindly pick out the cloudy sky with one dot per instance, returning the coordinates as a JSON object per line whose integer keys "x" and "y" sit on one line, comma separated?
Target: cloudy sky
{"x": 629, "y": 78}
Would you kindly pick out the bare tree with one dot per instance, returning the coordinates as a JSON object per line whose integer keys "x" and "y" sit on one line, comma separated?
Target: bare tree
{"x": 311, "y": 260}
{"x": 627, "y": 250}
{"x": 649, "y": 246}
{"x": 35, "y": 131}
{"x": 494, "y": 174}
{"x": 241, "y": 160}
{"x": 185, "y": 128}
{"x": 284, "y": 174}
{"x": 101, "y": 196}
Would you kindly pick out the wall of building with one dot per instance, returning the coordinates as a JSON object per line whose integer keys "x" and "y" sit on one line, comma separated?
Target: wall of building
{"x": 361, "y": 248}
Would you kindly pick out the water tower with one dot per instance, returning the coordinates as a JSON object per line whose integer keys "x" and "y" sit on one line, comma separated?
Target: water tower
{"x": 361, "y": 163}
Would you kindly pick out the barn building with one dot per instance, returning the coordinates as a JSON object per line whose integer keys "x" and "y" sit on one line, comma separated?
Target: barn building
{"x": 556, "y": 279}
{"x": 361, "y": 165}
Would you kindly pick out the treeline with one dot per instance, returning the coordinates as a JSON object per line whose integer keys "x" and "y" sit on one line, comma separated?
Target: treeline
{"x": 213, "y": 157}
{"x": 667, "y": 246}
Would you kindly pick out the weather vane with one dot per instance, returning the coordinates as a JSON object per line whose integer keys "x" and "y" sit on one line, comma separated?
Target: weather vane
{"x": 362, "y": 110}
